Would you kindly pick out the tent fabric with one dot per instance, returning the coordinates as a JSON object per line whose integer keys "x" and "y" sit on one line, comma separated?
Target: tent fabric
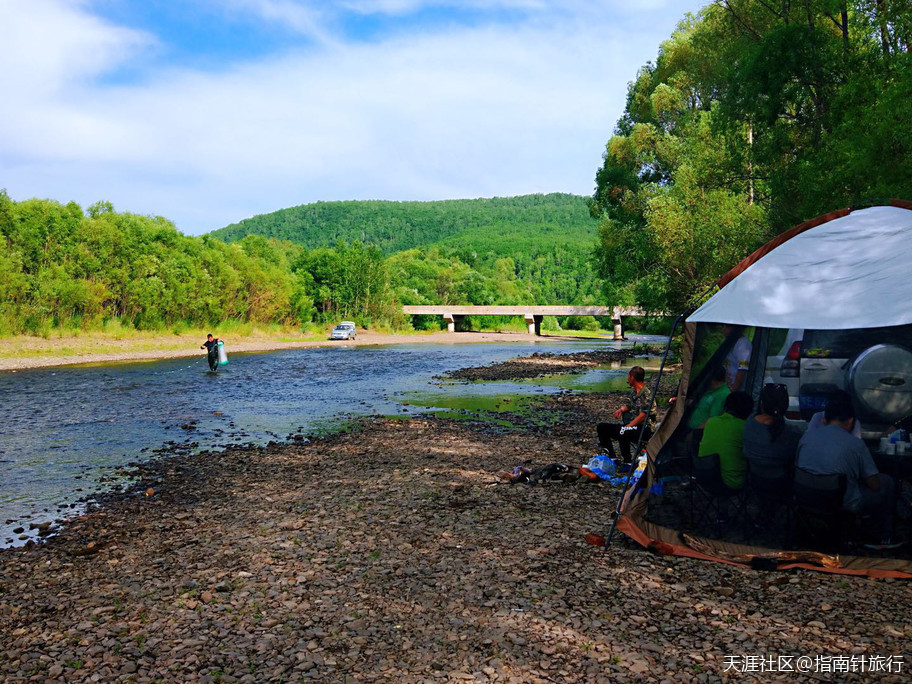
{"x": 858, "y": 255}
{"x": 668, "y": 541}
{"x": 845, "y": 269}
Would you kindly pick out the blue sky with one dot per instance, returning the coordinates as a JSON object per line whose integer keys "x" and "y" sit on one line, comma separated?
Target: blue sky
{"x": 210, "y": 111}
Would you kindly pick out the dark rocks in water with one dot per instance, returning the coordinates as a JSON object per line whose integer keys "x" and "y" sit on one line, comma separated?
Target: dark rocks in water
{"x": 542, "y": 363}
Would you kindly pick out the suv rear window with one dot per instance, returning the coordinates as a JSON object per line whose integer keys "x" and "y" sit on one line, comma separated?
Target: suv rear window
{"x": 846, "y": 343}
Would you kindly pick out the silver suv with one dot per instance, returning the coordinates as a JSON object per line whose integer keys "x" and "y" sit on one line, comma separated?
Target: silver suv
{"x": 874, "y": 365}
{"x": 344, "y": 331}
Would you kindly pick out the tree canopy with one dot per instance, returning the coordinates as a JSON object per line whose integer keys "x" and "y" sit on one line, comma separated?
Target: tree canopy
{"x": 531, "y": 249}
{"x": 755, "y": 116}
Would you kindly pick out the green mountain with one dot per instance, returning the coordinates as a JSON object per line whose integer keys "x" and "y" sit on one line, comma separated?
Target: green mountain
{"x": 502, "y": 225}
{"x": 531, "y": 249}
{"x": 508, "y": 250}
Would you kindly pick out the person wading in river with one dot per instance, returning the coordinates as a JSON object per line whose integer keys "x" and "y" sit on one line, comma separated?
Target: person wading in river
{"x": 211, "y": 346}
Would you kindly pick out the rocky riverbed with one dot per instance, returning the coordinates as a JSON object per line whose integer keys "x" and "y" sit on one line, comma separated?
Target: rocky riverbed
{"x": 392, "y": 552}
{"x": 544, "y": 363}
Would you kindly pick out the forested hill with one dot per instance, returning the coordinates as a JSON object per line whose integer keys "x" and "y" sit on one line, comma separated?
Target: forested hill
{"x": 495, "y": 225}
{"x": 63, "y": 267}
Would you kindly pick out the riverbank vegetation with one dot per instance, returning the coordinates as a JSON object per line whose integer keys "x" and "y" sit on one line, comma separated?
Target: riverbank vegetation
{"x": 126, "y": 343}
{"x": 754, "y": 117}
{"x": 65, "y": 268}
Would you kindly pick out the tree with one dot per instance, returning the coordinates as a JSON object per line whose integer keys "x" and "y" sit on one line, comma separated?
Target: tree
{"x": 754, "y": 117}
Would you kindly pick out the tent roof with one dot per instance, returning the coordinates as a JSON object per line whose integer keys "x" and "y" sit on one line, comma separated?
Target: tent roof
{"x": 850, "y": 269}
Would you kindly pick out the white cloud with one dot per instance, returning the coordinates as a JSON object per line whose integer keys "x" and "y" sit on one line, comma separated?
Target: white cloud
{"x": 306, "y": 18}
{"x": 478, "y": 112}
{"x": 46, "y": 45}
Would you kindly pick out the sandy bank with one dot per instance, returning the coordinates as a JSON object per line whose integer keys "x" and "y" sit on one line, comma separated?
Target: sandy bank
{"x": 36, "y": 352}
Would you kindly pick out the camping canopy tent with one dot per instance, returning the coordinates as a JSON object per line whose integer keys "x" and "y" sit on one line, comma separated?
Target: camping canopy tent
{"x": 851, "y": 271}
{"x": 847, "y": 269}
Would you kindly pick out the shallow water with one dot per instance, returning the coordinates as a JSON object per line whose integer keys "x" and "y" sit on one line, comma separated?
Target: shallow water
{"x": 66, "y": 430}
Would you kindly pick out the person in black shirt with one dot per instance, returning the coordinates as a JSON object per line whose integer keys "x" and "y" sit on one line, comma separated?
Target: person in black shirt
{"x": 211, "y": 345}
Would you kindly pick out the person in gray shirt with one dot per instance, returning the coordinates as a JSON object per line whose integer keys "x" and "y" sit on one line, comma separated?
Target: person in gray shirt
{"x": 832, "y": 449}
{"x": 767, "y": 439}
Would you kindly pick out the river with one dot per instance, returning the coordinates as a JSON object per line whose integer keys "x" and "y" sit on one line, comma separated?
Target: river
{"x": 68, "y": 430}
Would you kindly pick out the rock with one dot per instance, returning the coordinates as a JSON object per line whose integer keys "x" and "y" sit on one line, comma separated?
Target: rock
{"x": 289, "y": 564}
{"x": 88, "y": 550}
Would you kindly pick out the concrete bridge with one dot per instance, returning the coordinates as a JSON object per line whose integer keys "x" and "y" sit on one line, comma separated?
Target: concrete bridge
{"x": 453, "y": 314}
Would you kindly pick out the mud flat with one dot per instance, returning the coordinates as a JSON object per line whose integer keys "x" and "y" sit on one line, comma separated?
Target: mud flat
{"x": 544, "y": 363}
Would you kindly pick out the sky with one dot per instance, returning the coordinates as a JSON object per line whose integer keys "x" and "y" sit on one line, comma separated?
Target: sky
{"x": 207, "y": 112}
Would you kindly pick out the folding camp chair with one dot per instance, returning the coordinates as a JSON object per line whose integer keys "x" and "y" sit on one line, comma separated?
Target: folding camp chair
{"x": 819, "y": 516}
{"x": 769, "y": 490}
{"x": 708, "y": 482}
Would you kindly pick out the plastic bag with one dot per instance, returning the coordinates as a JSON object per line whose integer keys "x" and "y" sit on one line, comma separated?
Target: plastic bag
{"x": 602, "y": 466}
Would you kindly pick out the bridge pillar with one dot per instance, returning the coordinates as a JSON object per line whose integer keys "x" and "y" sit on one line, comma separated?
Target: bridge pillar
{"x": 618, "y": 328}
{"x": 534, "y": 322}
{"x": 453, "y": 321}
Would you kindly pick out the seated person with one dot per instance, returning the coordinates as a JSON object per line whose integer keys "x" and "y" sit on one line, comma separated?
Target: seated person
{"x": 712, "y": 401}
{"x": 638, "y": 416}
{"x": 723, "y": 435}
{"x": 737, "y": 362}
{"x": 767, "y": 438}
{"x": 816, "y": 420}
{"x": 831, "y": 449}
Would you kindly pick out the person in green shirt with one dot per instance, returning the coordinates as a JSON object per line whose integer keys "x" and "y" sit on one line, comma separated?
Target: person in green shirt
{"x": 723, "y": 435}
{"x": 712, "y": 401}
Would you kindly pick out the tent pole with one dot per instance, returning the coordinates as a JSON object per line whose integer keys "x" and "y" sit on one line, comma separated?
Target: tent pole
{"x": 655, "y": 389}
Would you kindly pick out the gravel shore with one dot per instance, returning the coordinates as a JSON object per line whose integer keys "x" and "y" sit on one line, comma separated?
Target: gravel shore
{"x": 392, "y": 552}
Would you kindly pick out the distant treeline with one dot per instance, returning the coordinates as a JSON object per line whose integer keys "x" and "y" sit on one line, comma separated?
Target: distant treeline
{"x": 62, "y": 267}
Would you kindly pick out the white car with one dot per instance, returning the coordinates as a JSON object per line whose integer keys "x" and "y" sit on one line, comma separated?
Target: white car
{"x": 344, "y": 331}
